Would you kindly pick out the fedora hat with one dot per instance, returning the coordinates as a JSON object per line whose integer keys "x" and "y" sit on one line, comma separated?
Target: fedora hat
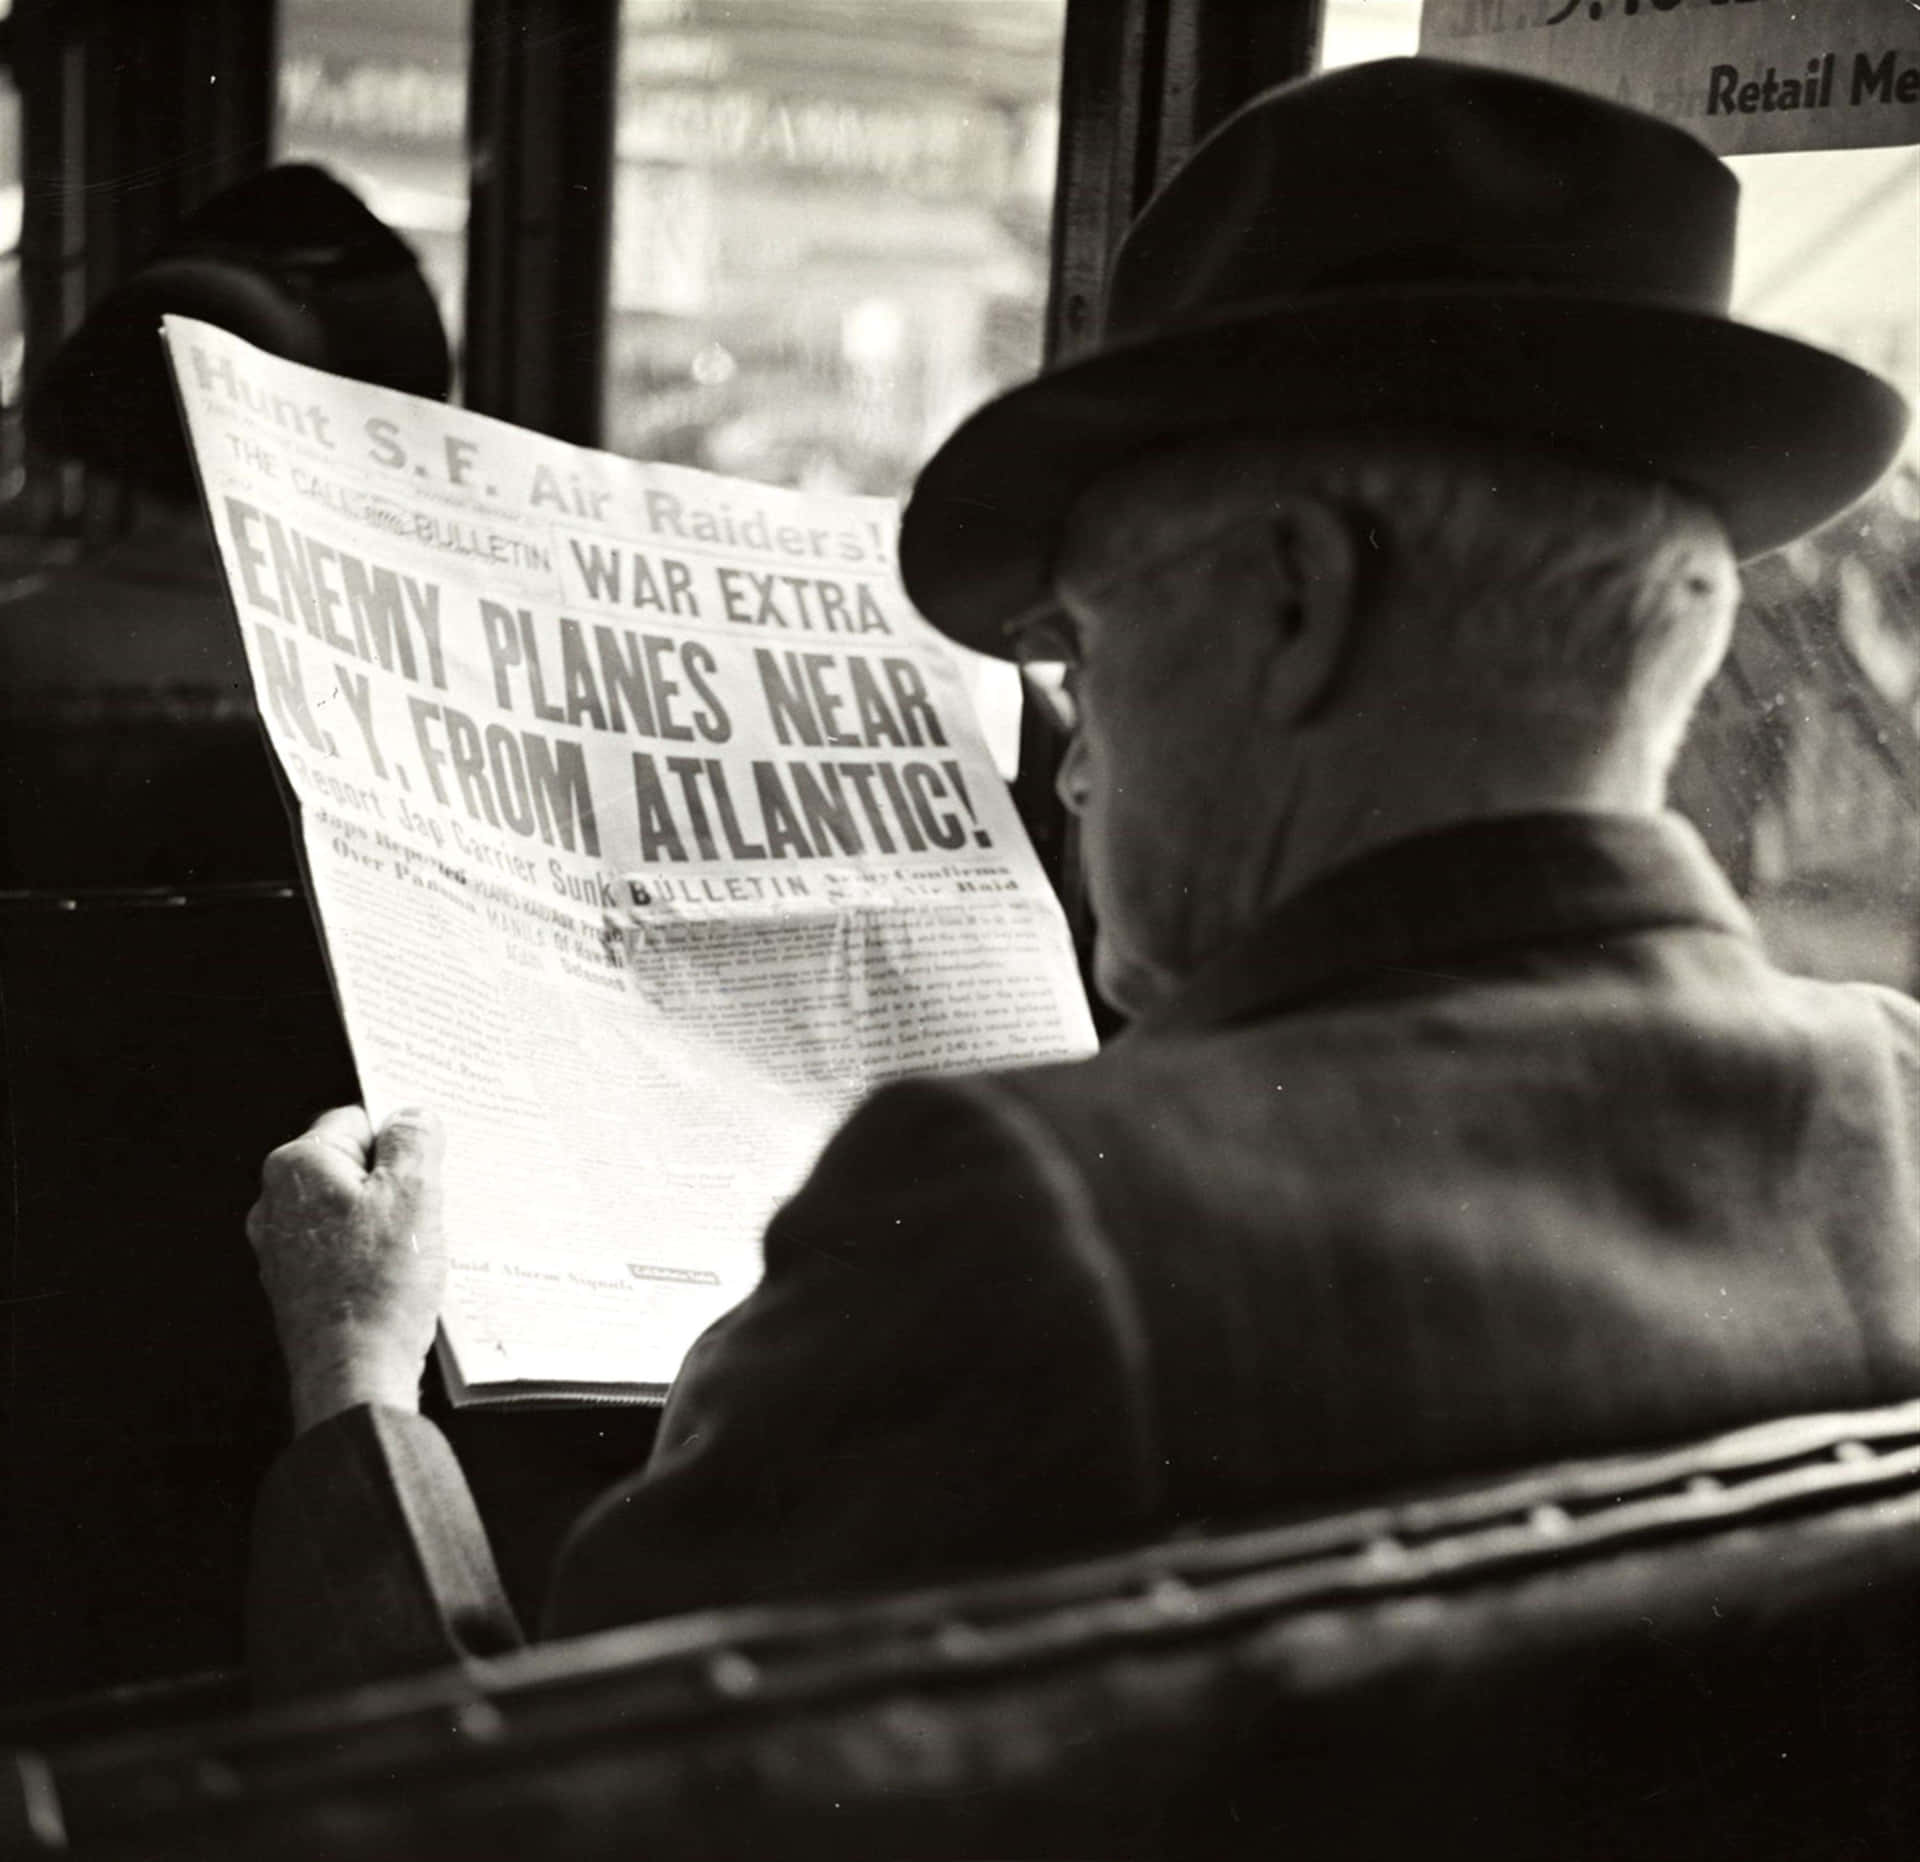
{"x": 1413, "y": 244}
{"x": 289, "y": 259}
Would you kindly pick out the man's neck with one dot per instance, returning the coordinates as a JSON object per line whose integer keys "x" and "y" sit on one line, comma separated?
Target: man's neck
{"x": 1358, "y": 787}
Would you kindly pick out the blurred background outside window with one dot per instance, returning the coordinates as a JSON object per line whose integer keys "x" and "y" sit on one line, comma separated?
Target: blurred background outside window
{"x": 1804, "y": 769}
{"x": 830, "y": 217}
{"x": 830, "y": 238}
{"x": 830, "y": 228}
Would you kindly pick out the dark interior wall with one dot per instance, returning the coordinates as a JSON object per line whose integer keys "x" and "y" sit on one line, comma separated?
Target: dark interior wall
{"x": 152, "y": 1050}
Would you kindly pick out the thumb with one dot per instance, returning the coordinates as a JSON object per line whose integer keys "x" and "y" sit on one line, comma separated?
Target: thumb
{"x": 410, "y": 1144}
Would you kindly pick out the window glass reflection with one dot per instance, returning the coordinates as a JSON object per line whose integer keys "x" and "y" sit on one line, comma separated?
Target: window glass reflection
{"x": 1805, "y": 771}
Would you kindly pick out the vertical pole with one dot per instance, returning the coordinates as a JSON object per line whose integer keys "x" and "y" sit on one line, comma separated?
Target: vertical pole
{"x": 1221, "y": 52}
{"x": 540, "y": 129}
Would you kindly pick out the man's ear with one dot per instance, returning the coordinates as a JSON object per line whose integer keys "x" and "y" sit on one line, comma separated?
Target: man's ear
{"x": 1312, "y": 599}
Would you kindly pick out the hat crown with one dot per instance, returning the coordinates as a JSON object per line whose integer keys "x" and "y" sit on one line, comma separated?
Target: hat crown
{"x": 1448, "y": 176}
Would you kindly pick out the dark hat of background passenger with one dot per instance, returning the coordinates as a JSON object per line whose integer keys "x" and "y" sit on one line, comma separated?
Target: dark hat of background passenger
{"x": 290, "y": 260}
{"x": 1413, "y": 244}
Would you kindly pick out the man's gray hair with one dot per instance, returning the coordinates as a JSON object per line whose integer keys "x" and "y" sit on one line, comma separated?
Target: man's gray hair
{"x": 1539, "y": 576}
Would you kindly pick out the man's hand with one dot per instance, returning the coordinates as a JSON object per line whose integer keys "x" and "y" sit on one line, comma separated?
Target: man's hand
{"x": 347, "y": 1231}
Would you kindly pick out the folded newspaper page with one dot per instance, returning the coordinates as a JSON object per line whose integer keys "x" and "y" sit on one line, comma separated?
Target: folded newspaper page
{"x": 647, "y": 828}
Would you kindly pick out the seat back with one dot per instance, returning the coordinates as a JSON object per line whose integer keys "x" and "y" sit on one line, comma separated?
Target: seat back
{"x": 1710, "y": 1652}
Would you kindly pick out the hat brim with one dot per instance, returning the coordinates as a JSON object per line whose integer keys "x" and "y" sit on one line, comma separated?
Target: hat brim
{"x": 1776, "y": 435}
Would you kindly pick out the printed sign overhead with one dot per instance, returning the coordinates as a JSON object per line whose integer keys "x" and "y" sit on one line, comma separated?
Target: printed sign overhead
{"x": 1747, "y": 77}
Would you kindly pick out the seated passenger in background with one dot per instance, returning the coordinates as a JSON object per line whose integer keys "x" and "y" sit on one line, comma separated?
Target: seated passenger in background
{"x": 1461, "y": 1122}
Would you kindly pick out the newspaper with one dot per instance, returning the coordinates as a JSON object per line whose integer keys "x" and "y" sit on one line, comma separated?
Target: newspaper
{"x": 647, "y": 828}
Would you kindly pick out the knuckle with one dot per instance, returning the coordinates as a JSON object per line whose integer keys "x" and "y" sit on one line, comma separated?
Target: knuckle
{"x": 282, "y": 1161}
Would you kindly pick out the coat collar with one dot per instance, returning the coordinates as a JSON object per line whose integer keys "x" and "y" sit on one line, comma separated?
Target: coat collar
{"x": 1458, "y": 890}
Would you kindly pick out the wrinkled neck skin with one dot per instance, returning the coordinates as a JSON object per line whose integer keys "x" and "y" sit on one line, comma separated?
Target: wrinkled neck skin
{"x": 1314, "y": 797}
{"x": 1368, "y": 780}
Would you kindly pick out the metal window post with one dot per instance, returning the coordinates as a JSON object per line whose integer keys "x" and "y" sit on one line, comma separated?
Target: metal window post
{"x": 540, "y": 124}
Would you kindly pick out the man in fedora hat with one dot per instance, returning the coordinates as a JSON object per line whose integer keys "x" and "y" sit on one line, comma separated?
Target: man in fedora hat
{"x": 1390, "y": 533}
